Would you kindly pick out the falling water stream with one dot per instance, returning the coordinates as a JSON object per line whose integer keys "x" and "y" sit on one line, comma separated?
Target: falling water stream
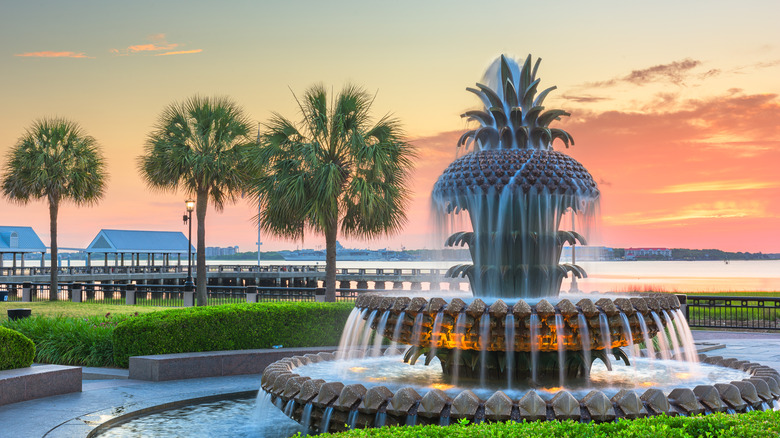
{"x": 535, "y": 340}
{"x": 509, "y": 341}
{"x": 646, "y": 337}
{"x": 663, "y": 346}
{"x": 460, "y": 332}
{"x": 435, "y": 337}
{"x": 673, "y": 336}
{"x": 606, "y": 338}
{"x": 376, "y": 350}
{"x": 561, "y": 344}
{"x": 484, "y": 340}
{"x": 582, "y": 323}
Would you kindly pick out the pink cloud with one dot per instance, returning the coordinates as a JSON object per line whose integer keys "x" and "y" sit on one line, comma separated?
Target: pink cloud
{"x": 51, "y": 54}
{"x": 180, "y": 52}
{"x": 157, "y": 43}
{"x": 151, "y": 47}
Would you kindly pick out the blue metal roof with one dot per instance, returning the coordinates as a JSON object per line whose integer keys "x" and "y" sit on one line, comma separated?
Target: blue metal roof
{"x": 139, "y": 241}
{"x": 20, "y": 239}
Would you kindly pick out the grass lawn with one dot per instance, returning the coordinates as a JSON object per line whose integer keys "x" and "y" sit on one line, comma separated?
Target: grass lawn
{"x": 68, "y": 308}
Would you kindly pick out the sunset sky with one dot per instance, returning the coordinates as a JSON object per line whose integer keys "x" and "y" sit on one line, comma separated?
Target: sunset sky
{"x": 675, "y": 105}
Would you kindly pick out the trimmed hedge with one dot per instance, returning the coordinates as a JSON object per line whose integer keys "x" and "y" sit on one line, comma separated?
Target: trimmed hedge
{"x": 230, "y": 327}
{"x": 16, "y": 350}
{"x": 67, "y": 340}
{"x": 753, "y": 424}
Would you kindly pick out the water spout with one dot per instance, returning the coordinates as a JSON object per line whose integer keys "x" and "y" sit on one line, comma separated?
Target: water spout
{"x": 306, "y": 416}
{"x": 673, "y": 336}
{"x": 435, "y": 336}
{"x": 606, "y": 338}
{"x": 460, "y": 333}
{"x": 509, "y": 340}
{"x": 663, "y": 346}
{"x": 325, "y": 423}
{"x": 484, "y": 340}
{"x": 560, "y": 342}
{"x": 352, "y": 418}
{"x": 646, "y": 337}
{"x": 376, "y": 350}
{"x": 584, "y": 342}
{"x": 535, "y": 341}
{"x": 397, "y": 330}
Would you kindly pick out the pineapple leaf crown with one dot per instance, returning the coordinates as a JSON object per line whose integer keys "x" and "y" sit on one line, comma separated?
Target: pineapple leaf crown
{"x": 513, "y": 116}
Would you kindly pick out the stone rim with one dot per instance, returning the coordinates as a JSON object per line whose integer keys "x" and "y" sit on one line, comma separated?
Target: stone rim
{"x": 752, "y": 392}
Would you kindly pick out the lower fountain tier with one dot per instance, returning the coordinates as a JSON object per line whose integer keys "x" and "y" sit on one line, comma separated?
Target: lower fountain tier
{"x": 308, "y": 400}
{"x": 438, "y": 324}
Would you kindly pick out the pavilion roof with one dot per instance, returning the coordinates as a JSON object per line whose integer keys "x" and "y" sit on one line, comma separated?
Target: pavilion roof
{"x": 20, "y": 239}
{"x": 139, "y": 241}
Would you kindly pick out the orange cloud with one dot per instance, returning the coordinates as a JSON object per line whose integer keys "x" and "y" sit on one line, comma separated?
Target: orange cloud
{"x": 180, "y": 52}
{"x": 717, "y": 186}
{"x": 158, "y": 44}
{"x": 150, "y": 47}
{"x": 675, "y": 72}
{"x": 50, "y": 54}
{"x": 716, "y": 210}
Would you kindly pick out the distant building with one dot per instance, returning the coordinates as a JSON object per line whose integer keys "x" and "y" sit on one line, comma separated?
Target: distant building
{"x": 216, "y": 251}
{"x": 587, "y": 253}
{"x": 654, "y": 253}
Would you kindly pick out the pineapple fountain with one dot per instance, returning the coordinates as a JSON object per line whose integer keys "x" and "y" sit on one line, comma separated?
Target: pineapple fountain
{"x": 513, "y": 331}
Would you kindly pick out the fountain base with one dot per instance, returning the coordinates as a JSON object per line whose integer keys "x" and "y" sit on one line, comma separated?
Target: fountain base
{"x": 333, "y": 406}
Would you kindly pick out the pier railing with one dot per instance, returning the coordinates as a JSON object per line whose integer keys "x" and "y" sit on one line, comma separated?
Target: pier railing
{"x": 165, "y": 295}
{"x": 7, "y": 271}
{"x": 730, "y": 312}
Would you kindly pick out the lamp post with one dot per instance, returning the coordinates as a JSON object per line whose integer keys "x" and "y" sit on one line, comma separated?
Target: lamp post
{"x": 188, "y": 284}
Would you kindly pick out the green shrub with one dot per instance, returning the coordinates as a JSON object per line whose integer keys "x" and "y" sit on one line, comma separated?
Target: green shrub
{"x": 230, "y": 327}
{"x": 753, "y": 424}
{"x": 70, "y": 341}
{"x": 16, "y": 350}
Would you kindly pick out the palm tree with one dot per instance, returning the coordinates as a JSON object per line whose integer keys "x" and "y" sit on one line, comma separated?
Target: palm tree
{"x": 55, "y": 160}
{"x": 335, "y": 171}
{"x": 197, "y": 145}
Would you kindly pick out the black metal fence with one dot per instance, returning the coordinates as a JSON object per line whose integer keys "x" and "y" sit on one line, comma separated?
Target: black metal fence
{"x": 725, "y": 312}
{"x": 712, "y": 311}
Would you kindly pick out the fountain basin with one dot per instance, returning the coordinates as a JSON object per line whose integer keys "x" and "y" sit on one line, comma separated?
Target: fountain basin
{"x": 329, "y": 406}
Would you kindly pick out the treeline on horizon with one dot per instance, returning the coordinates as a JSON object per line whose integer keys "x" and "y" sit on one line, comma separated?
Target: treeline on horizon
{"x": 463, "y": 254}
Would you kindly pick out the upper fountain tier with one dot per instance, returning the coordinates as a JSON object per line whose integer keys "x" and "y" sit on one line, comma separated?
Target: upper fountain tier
{"x": 515, "y": 188}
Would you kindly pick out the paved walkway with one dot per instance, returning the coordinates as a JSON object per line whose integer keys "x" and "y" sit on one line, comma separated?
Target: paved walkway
{"x": 108, "y": 393}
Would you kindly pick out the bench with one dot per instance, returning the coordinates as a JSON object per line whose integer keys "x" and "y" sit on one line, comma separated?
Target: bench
{"x": 179, "y": 366}
{"x": 38, "y": 381}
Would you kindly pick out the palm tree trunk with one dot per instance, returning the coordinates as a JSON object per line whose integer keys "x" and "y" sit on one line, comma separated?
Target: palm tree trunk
{"x": 54, "y": 205}
{"x": 330, "y": 260}
{"x": 200, "y": 265}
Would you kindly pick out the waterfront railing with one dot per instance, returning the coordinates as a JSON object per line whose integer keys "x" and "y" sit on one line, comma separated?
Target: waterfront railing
{"x": 711, "y": 311}
{"x": 730, "y": 312}
{"x": 166, "y": 295}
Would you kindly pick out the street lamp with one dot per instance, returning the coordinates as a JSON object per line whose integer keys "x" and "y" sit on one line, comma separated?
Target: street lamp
{"x": 188, "y": 284}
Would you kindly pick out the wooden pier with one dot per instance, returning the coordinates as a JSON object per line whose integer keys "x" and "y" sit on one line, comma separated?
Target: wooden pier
{"x": 242, "y": 275}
